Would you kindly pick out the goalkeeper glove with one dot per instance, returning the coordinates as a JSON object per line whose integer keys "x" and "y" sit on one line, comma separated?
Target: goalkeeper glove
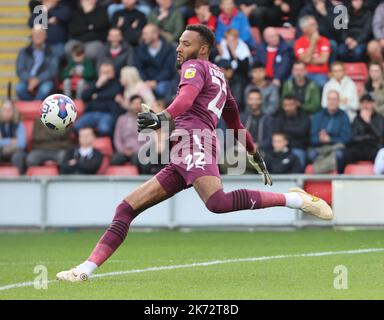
{"x": 149, "y": 119}
{"x": 257, "y": 161}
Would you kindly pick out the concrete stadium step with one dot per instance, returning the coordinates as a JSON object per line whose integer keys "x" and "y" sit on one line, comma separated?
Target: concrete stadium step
{"x": 8, "y": 56}
{"x": 7, "y": 20}
{"x": 8, "y": 68}
{"x": 12, "y": 8}
{"x": 9, "y": 32}
{"x": 13, "y": 44}
{"x": 12, "y": 38}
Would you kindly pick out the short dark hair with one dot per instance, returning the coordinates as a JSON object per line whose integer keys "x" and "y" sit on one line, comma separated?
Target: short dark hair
{"x": 199, "y": 3}
{"x": 134, "y": 97}
{"x": 290, "y": 97}
{"x": 78, "y": 49}
{"x": 254, "y": 90}
{"x": 205, "y": 33}
{"x": 257, "y": 65}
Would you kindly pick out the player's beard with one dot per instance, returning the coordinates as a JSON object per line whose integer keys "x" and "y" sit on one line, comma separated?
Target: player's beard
{"x": 193, "y": 55}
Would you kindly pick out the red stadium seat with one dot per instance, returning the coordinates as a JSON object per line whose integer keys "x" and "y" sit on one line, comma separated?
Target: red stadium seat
{"x": 288, "y": 34}
{"x": 357, "y": 71}
{"x": 321, "y": 189}
{"x": 43, "y": 171}
{"x": 256, "y": 34}
{"x": 104, "y": 145}
{"x": 128, "y": 170}
{"x": 28, "y": 125}
{"x": 9, "y": 171}
{"x": 29, "y": 110}
{"x": 79, "y": 107}
{"x": 359, "y": 168}
{"x": 104, "y": 165}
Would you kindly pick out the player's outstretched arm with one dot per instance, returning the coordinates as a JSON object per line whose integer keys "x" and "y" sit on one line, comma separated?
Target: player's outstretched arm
{"x": 231, "y": 117}
{"x": 183, "y": 101}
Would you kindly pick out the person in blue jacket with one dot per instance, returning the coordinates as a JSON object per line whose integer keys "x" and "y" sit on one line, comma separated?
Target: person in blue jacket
{"x": 58, "y": 16}
{"x": 155, "y": 59}
{"x": 13, "y": 138}
{"x": 330, "y": 126}
{"x": 232, "y": 18}
{"x": 276, "y": 55}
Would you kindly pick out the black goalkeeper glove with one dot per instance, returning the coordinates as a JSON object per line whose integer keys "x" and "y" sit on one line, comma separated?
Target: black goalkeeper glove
{"x": 149, "y": 119}
{"x": 257, "y": 161}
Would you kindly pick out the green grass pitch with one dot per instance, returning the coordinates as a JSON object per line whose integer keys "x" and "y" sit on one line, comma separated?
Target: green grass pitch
{"x": 298, "y": 277}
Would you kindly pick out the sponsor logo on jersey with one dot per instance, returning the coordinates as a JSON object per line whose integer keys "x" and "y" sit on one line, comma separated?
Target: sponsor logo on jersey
{"x": 190, "y": 73}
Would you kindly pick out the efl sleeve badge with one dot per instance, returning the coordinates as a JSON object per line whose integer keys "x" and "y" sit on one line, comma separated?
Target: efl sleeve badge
{"x": 189, "y": 73}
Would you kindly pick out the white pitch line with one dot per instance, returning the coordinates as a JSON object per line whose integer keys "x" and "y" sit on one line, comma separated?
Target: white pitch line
{"x": 209, "y": 263}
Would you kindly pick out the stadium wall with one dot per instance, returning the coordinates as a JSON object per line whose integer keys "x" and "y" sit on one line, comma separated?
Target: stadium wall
{"x": 82, "y": 201}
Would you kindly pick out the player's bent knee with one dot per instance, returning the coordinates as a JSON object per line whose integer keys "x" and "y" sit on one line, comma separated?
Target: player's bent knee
{"x": 216, "y": 203}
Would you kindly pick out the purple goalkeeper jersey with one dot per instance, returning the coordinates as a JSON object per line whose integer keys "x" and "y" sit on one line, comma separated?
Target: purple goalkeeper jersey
{"x": 208, "y": 105}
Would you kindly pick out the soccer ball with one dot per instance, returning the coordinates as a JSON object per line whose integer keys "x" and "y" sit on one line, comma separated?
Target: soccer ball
{"x": 58, "y": 112}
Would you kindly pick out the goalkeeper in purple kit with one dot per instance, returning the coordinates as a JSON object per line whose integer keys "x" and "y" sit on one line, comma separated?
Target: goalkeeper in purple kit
{"x": 203, "y": 97}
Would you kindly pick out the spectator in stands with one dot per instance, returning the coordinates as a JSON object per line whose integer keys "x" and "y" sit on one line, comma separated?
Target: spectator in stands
{"x": 270, "y": 93}
{"x": 259, "y": 124}
{"x": 340, "y": 82}
{"x": 354, "y": 39}
{"x": 276, "y": 55}
{"x": 57, "y": 29}
{"x": 158, "y": 150}
{"x": 203, "y": 15}
{"x": 235, "y": 50}
{"x": 83, "y": 159}
{"x": 125, "y": 137}
{"x": 323, "y": 12}
{"x": 13, "y": 138}
{"x": 378, "y": 167}
{"x": 89, "y": 25}
{"x": 375, "y": 86}
{"x": 264, "y": 13}
{"x": 36, "y": 67}
{"x": 330, "y": 133}
{"x": 169, "y": 20}
{"x": 116, "y": 50}
{"x": 231, "y": 18}
{"x": 78, "y": 72}
{"x": 131, "y": 22}
{"x": 133, "y": 86}
{"x": 314, "y": 50}
{"x": 295, "y": 124}
{"x": 367, "y": 133}
{"x": 101, "y": 109}
{"x": 375, "y": 48}
{"x": 306, "y": 91}
{"x": 236, "y": 88}
{"x": 155, "y": 60}
{"x": 281, "y": 160}
{"x": 47, "y": 145}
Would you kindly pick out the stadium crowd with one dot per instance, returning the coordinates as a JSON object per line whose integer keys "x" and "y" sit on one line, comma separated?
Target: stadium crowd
{"x": 285, "y": 61}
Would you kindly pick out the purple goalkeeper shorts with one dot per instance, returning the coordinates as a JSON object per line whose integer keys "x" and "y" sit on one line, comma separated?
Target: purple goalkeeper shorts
{"x": 191, "y": 157}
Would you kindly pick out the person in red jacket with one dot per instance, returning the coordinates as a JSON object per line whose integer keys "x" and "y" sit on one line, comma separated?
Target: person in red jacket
{"x": 203, "y": 15}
